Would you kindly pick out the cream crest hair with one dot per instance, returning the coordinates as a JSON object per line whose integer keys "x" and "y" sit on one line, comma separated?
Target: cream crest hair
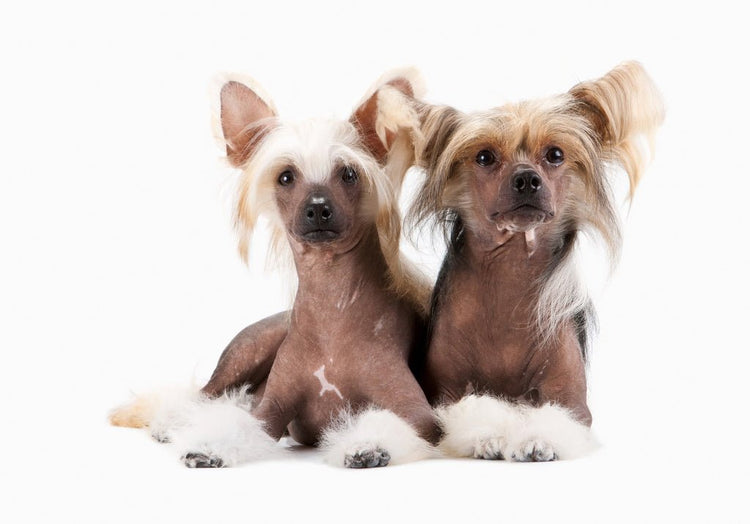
{"x": 314, "y": 147}
{"x": 600, "y": 124}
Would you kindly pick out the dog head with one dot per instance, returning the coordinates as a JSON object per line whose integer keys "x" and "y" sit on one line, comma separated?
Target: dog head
{"x": 523, "y": 166}
{"x": 322, "y": 183}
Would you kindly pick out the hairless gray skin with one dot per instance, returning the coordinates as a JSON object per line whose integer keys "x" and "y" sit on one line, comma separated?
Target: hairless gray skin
{"x": 347, "y": 341}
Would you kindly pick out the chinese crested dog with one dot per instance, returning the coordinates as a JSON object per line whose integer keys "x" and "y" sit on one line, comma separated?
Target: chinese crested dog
{"x": 514, "y": 187}
{"x": 335, "y": 370}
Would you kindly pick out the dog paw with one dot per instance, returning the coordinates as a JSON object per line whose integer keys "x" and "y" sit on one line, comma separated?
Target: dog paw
{"x": 490, "y": 448}
{"x": 535, "y": 451}
{"x": 162, "y": 437}
{"x": 367, "y": 458}
{"x": 202, "y": 460}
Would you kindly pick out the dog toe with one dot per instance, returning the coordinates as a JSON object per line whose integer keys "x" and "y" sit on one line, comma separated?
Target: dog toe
{"x": 202, "y": 460}
{"x": 535, "y": 451}
{"x": 368, "y": 458}
{"x": 490, "y": 449}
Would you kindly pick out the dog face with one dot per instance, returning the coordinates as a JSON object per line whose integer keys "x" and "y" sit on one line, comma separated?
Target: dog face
{"x": 317, "y": 184}
{"x": 521, "y": 166}
{"x": 514, "y": 177}
{"x": 324, "y": 212}
{"x": 321, "y": 183}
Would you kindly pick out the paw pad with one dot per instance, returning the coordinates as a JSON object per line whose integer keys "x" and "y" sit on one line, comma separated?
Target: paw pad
{"x": 202, "y": 460}
{"x": 368, "y": 458}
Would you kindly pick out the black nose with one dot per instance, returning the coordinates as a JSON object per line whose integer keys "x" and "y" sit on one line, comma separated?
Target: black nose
{"x": 527, "y": 181}
{"x": 318, "y": 211}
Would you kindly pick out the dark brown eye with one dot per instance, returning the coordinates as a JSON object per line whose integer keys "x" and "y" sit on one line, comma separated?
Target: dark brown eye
{"x": 349, "y": 175}
{"x": 485, "y": 158}
{"x": 554, "y": 156}
{"x": 286, "y": 178}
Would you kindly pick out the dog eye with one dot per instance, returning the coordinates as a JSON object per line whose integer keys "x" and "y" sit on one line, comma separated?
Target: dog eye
{"x": 554, "y": 156}
{"x": 485, "y": 158}
{"x": 349, "y": 175}
{"x": 286, "y": 178}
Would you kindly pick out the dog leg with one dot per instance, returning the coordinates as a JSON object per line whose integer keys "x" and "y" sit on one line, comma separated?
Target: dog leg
{"x": 478, "y": 426}
{"x": 373, "y": 438}
{"x": 248, "y": 358}
{"x": 222, "y": 433}
{"x": 549, "y": 432}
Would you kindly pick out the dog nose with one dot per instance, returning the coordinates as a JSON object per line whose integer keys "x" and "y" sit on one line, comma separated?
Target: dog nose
{"x": 318, "y": 211}
{"x": 527, "y": 181}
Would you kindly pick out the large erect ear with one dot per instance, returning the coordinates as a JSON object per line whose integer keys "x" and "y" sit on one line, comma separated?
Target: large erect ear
{"x": 246, "y": 114}
{"x": 387, "y": 111}
{"x": 623, "y": 106}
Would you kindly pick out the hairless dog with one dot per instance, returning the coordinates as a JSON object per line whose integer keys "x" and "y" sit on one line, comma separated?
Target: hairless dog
{"x": 515, "y": 186}
{"x": 335, "y": 369}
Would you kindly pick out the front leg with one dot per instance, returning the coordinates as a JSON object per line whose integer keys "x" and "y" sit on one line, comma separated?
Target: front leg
{"x": 246, "y": 360}
{"x": 557, "y": 424}
{"x": 479, "y": 426}
{"x": 549, "y": 432}
{"x": 249, "y": 356}
{"x": 373, "y": 438}
{"x": 402, "y": 428}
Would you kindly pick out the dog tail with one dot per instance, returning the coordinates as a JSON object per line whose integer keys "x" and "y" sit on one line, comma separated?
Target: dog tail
{"x": 136, "y": 414}
{"x": 144, "y": 409}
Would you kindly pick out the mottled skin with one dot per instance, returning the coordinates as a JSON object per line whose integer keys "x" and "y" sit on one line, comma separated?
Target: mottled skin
{"x": 344, "y": 318}
{"x": 347, "y": 341}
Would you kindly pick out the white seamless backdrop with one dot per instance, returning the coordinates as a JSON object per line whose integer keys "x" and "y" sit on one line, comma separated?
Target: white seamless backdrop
{"x": 119, "y": 269}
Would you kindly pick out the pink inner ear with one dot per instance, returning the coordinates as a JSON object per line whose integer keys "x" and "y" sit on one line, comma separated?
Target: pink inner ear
{"x": 240, "y": 109}
{"x": 403, "y": 85}
{"x": 364, "y": 120}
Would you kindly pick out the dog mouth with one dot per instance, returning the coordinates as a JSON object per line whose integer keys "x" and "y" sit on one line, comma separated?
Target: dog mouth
{"x": 320, "y": 235}
{"x": 522, "y": 217}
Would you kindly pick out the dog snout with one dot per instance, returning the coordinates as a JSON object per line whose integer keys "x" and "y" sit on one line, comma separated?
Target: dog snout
{"x": 318, "y": 210}
{"x": 526, "y": 181}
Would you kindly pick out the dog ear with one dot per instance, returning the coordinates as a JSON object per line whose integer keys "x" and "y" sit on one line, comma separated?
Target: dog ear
{"x": 622, "y": 106}
{"x": 438, "y": 126}
{"x": 247, "y": 115}
{"x": 387, "y": 111}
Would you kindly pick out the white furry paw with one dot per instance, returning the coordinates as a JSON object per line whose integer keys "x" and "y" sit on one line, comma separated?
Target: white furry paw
{"x": 162, "y": 436}
{"x": 491, "y": 428}
{"x": 372, "y": 438}
{"x": 367, "y": 458}
{"x": 490, "y": 448}
{"x": 222, "y": 433}
{"x": 534, "y": 451}
{"x": 550, "y": 432}
{"x": 477, "y": 426}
